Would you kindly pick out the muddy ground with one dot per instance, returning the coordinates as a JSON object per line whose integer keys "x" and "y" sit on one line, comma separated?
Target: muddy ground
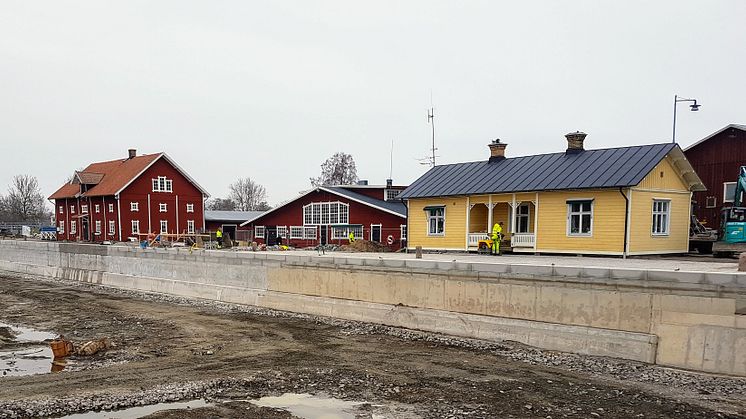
{"x": 171, "y": 349}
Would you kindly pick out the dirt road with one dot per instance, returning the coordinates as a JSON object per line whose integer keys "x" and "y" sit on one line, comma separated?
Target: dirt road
{"x": 171, "y": 349}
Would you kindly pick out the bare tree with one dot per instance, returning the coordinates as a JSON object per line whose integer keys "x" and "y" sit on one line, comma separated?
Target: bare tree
{"x": 248, "y": 195}
{"x": 220, "y": 204}
{"x": 338, "y": 169}
{"x": 25, "y": 201}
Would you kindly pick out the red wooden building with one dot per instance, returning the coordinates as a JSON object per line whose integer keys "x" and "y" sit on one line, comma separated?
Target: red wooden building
{"x": 717, "y": 159}
{"x": 327, "y": 214}
{"x": 119, "y": 199}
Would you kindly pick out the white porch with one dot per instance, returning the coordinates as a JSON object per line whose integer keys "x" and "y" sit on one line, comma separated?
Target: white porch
{"x": 518, "y": 217}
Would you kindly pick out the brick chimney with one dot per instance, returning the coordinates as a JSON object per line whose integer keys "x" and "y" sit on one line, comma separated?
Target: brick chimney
{"x": 132, "y": 153}
{"x": 575, "y": 142}
{"x": 497, "y": 150}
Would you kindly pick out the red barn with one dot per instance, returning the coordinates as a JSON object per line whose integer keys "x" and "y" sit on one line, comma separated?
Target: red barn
{"x": 327, "y": 214}
{"x": 717, "y": 159}
{"x": 118, "y": 199}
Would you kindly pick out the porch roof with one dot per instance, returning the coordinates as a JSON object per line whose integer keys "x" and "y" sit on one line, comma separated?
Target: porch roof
{"x": 590, "y": 169}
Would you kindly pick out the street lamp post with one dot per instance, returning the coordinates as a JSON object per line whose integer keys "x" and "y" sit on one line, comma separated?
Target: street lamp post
{"x": 676, "y": 99}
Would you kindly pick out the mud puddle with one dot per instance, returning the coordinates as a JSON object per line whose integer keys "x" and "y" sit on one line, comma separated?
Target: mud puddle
{"x": 26, "y": 351}
{"x": 139, "y": 411}
{"x": 308, "y": 406}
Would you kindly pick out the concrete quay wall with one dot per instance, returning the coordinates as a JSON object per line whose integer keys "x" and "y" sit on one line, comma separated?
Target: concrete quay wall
{"x": 681, "y": 319}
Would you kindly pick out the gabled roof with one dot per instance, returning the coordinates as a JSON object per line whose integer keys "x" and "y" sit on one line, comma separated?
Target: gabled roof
{"x": 234, "y": 216}
{"x": 392, "y": 207}
{"x": 736, "y": 126}
{"x": 604, "y": 168}
{"x": 88, "y": 178}
{"x": 115, "y": 175}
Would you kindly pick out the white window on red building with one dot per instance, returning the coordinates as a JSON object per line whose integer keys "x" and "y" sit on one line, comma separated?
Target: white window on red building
{"x": 111, "y": 207}
{"x": 190, "y": 226}
{"x": 190, "y": 207}
{"x": 162, "y": 207}
{"x": 344, "y": 232}
{"x": 134, "y": 206}
{"x": 96, "y": 208}
{"x": 84, "y": 209}
{"x": 62, "y": 226}
{"x": 296, "y": 232}
{"x": 111, "y": 227}
{"x": 161, "y": 184}
{"x": 73, "y": 227}
{"x": 72, "y": 209}
{"x": 98, "y": 226}
{"x": 310, "y": 232}
{"x": 326, "y": 213}
{"x": 164, "y": 226}
{"x": 62, "y": 209}
{"x": 135, "y": 226}
{"x": 259, "y": 232}
{"x": 282, "y": 231}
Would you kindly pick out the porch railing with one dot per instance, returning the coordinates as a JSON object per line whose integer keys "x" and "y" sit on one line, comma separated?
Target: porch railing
{"x": 474, "y": 238}
{"x": 523, "y": 240}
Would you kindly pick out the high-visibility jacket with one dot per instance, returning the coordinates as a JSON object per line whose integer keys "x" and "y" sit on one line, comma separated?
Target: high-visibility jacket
{"x": 352, "y": 236}
{"x": 219, "y": 233}
{"x": 496, "y": 230}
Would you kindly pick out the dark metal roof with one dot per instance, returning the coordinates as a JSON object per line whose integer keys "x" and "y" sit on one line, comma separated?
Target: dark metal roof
{"x": 604, "y": 168}
{"x": 396, "y": 206}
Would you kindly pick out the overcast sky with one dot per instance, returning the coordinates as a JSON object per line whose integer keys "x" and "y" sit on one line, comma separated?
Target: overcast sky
{"x": 269, "y": 90}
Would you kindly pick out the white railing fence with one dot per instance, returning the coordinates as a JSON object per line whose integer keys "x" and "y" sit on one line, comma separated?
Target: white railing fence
{"x": 474, "y": 238}
{"x": 523, "y": 240}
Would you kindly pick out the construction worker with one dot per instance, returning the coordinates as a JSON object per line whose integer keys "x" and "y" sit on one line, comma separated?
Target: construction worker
{"x": 351, "y": 237}
{"x": 497, "y": 233}
{"x": 219, "y": 236}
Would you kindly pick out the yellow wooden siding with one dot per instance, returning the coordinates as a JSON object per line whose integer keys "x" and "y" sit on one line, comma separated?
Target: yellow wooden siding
{"x": 608, "y": 222}
{"x": 501, "y": 212}
{"x": 478, "y": 219}
{"x": 455, "y": 224}
{"x": 479, "y": 199}
{"x": 669, "y": 180}
{"x": 641, "y": 227}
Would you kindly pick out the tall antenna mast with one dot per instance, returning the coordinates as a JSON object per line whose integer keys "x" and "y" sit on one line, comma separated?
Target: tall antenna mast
{"x": 431, "y": 121}
{"x": 391, "y": 161}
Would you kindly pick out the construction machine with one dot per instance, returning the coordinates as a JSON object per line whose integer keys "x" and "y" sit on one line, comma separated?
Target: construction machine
{"x": 733, "y": 222}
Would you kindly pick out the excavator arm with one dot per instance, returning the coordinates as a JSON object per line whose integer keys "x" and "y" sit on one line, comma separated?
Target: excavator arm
{"x": 740, "y": 187}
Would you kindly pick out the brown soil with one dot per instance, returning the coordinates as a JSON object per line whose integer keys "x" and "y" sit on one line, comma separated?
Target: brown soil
{"x": 361, "y": 245}
{"x": 245, "y": 356}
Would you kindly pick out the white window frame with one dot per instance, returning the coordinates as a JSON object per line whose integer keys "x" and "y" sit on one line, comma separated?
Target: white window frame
{"x": 581, "y": 213}
{"x": 72, "y": 209}
{"x": 380, "y": 229}
{"x": 111, "y": 207}
{"x": 343, "y": 233}
{"x": 714, "y": 203}
{"x": 134, "y": 206}
{"x": 62, "y": 209}
{"x": 84, "y": 209}
{"x": 62, "y": 227}
{"x": 73, "y": 227}
{"x": 112, "y": 227}
{"x": 190, "y": 226}
{"x": 431, "y": 216}
{"x": 164, "y": 227}
{"x": 296, "y": 232}
{"x": 326, "y": 213}
{"x": 162, "y": 184}
{"x": 97, "y": 208}
{"x": 310, "y": 232}
{"x": 282, "y": 231}
{"x": 658, "y": 212}
{"x": 98, "y": 227}
{"x": 519, "y": 217}
{"x": 402, "y": 231}
{"x": 162, "y": 207}
{"x": 259, "y": 232}
{"x": 189, "y": 207}
{"x": 725, "y": 191}
{"x": 135, "y": 226}
{"x": 391, "y": 194}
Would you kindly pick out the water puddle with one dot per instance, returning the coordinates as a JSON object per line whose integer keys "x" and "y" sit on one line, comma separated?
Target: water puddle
{"x": 26, "y": 351}
{"x": 139, "y": 411}
{"x": 308, "y": 406}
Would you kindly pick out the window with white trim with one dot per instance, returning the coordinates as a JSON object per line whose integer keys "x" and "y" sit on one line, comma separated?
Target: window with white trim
{"x": 729, "y": 191}
{"x": 661, "y": 217}
{"x": 309, "y": 233}
{"x": 73, "y": 227}
{"x": 162, "y": 207}
{"x": 403, "y": 232}
{"x": 259, "y": 232}
{"x": 436, "y": 221}
{"x": 161, "y": 184}
{"x": 97, "y": 208}
{"x": 72, "y": 209}
{"x": 164, "y": 226}
{"x": 62, "y": 209}
{"x": 711, "y": 202}
{"x": 391, "y": 194}
{"x": 282, "y": 231}
{"x": 522, "y": 217}
{"x": 189, "y": 207}
{"x": 344, "y": 232}
{"x": 62, "y": 226}
{"x": 324, "y": 213}
{"x": 84, "y": 209}
{"x": 296, "y": 232}
{"x": 134, "y": 206}
{"x": 98, "y": 226}
{"x": 190, "y": 226}
{"x": 111, "y": 207}
{"x": 112, "y": 226}
{"x": 580, "y": 218}
{"x": 135, "y": 226}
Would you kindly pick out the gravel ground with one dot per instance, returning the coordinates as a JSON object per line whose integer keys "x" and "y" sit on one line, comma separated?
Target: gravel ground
{"x": 172, "y": 348}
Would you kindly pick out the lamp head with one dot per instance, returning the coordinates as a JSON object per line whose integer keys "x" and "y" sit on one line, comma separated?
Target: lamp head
{"x": 694, "y": 107}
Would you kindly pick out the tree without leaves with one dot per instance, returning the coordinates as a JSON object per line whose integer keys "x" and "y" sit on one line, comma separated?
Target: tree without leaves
{"x": 338, "y": 169}
{"x": 25, "y": 201}
{"x": 248, "y": 195}
{"x": 220, "y": 204}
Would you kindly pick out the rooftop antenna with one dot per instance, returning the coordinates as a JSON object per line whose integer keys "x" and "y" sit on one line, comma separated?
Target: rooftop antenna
{"x": 431, "y": 120}
{"x": 391, "y": 161}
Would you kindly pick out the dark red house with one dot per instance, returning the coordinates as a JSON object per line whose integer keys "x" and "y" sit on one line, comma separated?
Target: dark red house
{"x": 717, "y": 159}
{"x": 119, "y": 199}
{"x": 327, "y": 214}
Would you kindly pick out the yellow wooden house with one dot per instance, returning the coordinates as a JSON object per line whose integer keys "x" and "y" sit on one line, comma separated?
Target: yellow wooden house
{"x": 617, "y": 201}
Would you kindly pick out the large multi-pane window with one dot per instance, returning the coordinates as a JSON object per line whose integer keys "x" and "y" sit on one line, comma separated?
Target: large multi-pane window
{"x": 282, "y": 231}
{"x": 344, "y": 232}
{"x": 436, "y": 221}
{"x": 661, "y": 217}
{"x": 326, "y": 213}
{"x": 392, "y": 194}
{"x": 522, "y": 217}
{"x": 259, "y": 232}
{"x": 161, "y": 184}
{"x": 580, "y": 218}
